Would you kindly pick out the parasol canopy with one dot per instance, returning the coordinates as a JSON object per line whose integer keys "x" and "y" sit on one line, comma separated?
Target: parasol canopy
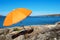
{"x": 16, "y": 16}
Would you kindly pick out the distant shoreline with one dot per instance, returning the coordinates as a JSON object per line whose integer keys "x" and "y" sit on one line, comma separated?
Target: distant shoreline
{"x": 44, "y": 15}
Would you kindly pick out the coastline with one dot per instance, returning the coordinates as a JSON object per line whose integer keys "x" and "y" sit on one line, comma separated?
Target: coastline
{"x": 38, "y": 29}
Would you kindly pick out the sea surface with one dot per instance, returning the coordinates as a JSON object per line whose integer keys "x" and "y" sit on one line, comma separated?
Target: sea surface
{"x": 33, "y": 20}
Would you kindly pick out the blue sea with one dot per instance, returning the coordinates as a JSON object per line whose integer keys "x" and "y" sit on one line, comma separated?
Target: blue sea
{"x": 33, "y": 20}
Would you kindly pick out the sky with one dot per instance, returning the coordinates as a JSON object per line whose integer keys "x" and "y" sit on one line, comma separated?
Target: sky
{"x": 38, "y": 7}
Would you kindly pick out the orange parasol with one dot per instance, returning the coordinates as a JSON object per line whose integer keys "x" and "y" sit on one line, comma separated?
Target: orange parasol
{"x": 16, "y": 16}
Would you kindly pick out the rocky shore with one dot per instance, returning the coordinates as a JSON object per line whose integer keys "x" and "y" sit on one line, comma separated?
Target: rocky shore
{"x": 40, "y": 32}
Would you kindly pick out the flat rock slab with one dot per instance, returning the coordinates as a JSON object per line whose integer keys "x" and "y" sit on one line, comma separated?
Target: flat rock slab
{"x": 47, "y": 32}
